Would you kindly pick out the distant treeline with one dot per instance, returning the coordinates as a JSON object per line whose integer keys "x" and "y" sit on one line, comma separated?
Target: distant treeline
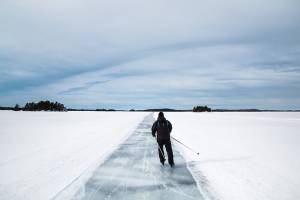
{"x": 44, "y": 105}
{"x": 102, "y": 109}
{"x": 39, "y": 106}
{"x": 195, "y": 109}
{"x": 55, "y": 106}
{"x": 6, "y": 108}
{"x": 201, "y": 109}
{"x": 242, "y": 110}
{"x": 161, "y": 110}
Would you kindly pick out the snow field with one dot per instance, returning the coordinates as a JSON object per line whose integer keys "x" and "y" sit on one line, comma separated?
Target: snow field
{"x": 248, "y": 156}
{"x": 43, "y": 152}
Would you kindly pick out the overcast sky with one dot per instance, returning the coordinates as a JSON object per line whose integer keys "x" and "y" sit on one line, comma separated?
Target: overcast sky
{"x": 144, "y": 54}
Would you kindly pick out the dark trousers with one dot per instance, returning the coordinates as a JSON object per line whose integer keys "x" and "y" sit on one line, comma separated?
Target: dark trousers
{"x": 167, "y": 144}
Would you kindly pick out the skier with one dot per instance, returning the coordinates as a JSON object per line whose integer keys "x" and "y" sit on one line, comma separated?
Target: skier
{"x": 162, "y": 127}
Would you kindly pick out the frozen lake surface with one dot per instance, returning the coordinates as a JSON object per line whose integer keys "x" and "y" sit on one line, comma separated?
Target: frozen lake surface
{"x": 88, "y": 155}
{"x": 133, "y": 171}
{"x": 41, "y": 153}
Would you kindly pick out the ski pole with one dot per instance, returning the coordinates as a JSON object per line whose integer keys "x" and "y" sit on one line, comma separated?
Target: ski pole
{"x": 185, "y": 146}
{"x": 162, "y": 153}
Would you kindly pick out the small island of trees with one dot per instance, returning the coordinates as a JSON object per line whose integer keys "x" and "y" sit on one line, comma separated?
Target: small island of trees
{"x": 201, "y": 109}
{"x": 43, "y": 106}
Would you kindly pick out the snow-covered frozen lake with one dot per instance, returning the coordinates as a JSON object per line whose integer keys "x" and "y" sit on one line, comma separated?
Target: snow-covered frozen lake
{"x": 42, "y": 152}
{"x": 242, "y": 155}
{"x": 250, "y": 156}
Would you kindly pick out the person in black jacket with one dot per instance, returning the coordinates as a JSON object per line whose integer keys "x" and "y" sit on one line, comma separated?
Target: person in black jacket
{"x": 162, "y": 127}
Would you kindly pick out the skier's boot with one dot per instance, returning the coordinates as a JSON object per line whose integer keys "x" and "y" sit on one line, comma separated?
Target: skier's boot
{"x": 172, "y": 164}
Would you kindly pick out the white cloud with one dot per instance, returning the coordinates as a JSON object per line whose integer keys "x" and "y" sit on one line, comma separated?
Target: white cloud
{"x": 118, "y": 51}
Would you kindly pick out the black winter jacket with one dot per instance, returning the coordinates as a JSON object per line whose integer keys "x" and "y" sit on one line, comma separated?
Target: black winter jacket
{"x": 163, "y": 128}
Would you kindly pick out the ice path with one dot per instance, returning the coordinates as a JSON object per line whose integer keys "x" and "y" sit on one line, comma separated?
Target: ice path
{"x": 133, "y": 172}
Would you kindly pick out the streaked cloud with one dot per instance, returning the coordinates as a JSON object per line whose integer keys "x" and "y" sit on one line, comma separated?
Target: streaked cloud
{"x": 166, "y": 53}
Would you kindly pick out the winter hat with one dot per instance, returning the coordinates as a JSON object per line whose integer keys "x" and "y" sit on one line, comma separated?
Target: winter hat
{"x": 161, "y": 114}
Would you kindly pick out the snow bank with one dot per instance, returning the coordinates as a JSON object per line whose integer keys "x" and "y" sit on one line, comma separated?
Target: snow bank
{"x": 42, "y": 152}
{"x": 242, "y": 155}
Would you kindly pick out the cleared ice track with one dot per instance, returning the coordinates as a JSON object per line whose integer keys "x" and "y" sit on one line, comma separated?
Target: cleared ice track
{"x": 133, "y": 171}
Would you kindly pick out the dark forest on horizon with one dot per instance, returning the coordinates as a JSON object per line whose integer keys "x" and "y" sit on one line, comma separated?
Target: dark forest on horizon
{"x": 55, "y": 106}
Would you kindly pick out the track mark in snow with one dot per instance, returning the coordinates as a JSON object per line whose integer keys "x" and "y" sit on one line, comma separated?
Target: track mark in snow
{"x": 133, "y": 171}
